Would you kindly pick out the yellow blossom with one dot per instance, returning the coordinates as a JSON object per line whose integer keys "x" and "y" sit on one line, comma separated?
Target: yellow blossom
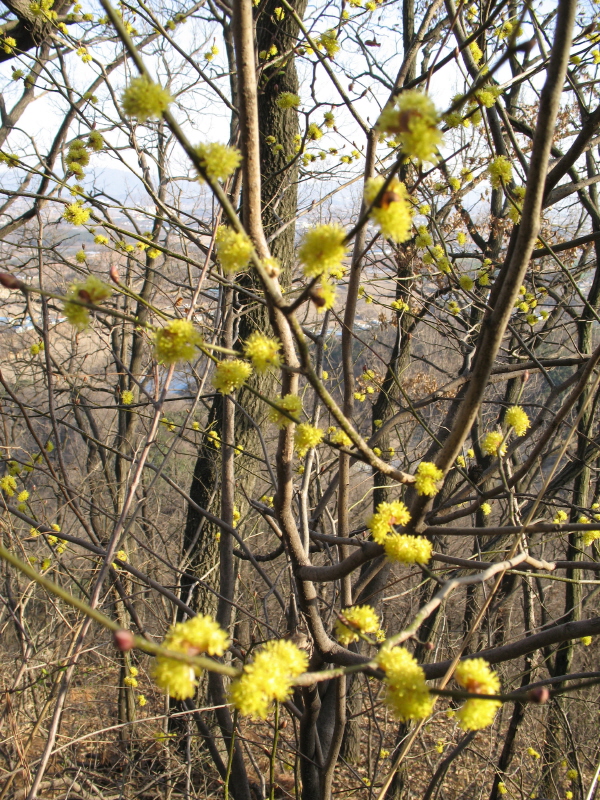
{"x": 500, "y": 171}
{"x": 588, "y": 536}
{"x": 492, "y": 444}
{"x": 127, "y": 397}
{"x": 23, "y": 496}
{"x": 288, "y": 100}
{"x": 328, "y": 119}
{"x": 517, "y": 419}
{"x": 407, "y": 549}
{"x": 502, "y": 788}
{"x": 306, "y": 437}
{"x": 476, "y": 52}
{"x": 392, "y": 213}
{"x": 407, "y": 693}
{"x": 143, "y": 99}
{"x": 141, "y": 701}
{"x": 386, "y": 517}
{"x": 413, "y": 118}
{"x": 8, "y": 485}
{"x": 341, "y": 437}
{"x": 233, "y": 249}
{"x": 324, "y": 295}
{"x": 322, "y": 249}
{"x": 218, "y": 160}
{"x": 213, "y": 438}
{"x": 268, "y": 678}
{"x": 290, "y": 403}
{"x": 362, "y": 618}
{"x": 466, "y": 282}
{"x": 76, "y": 214}
{"x": 427, "y": 476}
{"x": 533, "y": 753}
{"x": 200, "y": 634}
{"x": 314, "y": 133}
{"x": 92, "y": 291}
{"x": 486, "y": 509}
{"x": 263, "y": 351}
{"x": 177, "y": 341}
{"x": 231, "y": 375}
{"x": 475, "y": 675}
{"x": 328, "y": 42}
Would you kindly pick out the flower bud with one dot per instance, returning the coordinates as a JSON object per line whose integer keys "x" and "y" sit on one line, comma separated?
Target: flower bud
{"x": 123, "y": 640}
{"x": 10, "y": 282}
{"x": 539, "y": 695}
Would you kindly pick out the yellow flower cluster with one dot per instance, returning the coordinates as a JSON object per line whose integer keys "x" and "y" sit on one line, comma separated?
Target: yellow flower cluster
{"x": 201, "y": 634}
{"x": 398, "y": 546}
{"x": 218, "y": 160}
{"x": 363, "y": 619}
{"x": 387, "y": 515}
{"x": 95, "y": 141}
{"x": 413, "y": 118}
{"x": 407, "y": 549}
{"x": 486, "y": 509}
{"x": 466, "y": 282}
{"x": 290, "y": 403}
{"x": 500, "y": 171}
{"x": 177, "y": 341}
{"x": 268, "y": 678}
{"x": 93, "y": 290}
{"x": 588, "y": 536}
{"x": 314, "y": 133}
{"x": 426, "y": 478}
{"x": 78, "y": 157}
{"x": 407, "y": 693}
{"x": 8, "y": 485}
{"x": 127, "y": 397}
{"x": 328, "y": 41}
{"x": 76, "y": 214}
{"x": 492, "y": 444}
{"x": 262, "y": 351}
{"x": 476, "y": 677}
{"x": 231, "y": 375}
{"x": 517, "y": 419}
{"x": 306, "y": 437}
{"x": 393, "y": 212}
{"x": 233, "y": 249}
{"x": 288, "y": 100}
{"x": 341, "y": 437}
{"x": 143, "y": 100}
{"x": 423, "y": 238}
{"x": 322, "y": 249}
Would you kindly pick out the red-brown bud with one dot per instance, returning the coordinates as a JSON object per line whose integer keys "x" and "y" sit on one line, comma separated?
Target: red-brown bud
{"x": 10, "y": 282}
{"x": 114, "y": 273}
{"x": 123, "y": 640}
{"x": 539, "y": 695}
